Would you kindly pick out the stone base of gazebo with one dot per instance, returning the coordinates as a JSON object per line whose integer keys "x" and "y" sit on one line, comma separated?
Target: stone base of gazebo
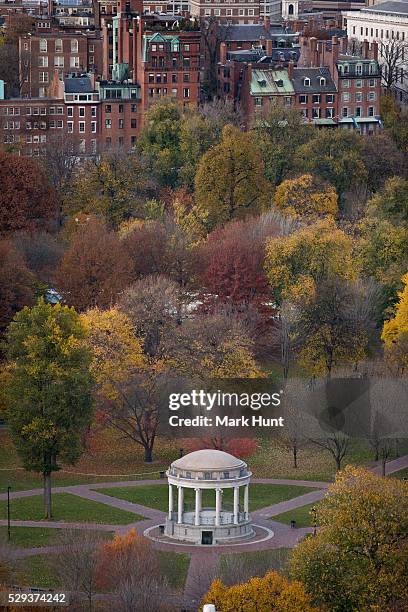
{"x": 207, "y": 533}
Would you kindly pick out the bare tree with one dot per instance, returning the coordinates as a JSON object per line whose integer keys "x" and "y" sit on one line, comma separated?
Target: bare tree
{"x": 77, "y": 569}
{"x": 393, "y": 54}
{"x": 336, "y": 444}
{"x": 143, "y": 594}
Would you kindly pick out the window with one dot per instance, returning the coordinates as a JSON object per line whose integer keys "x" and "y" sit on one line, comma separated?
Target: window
{"x": 133, "y": 124}
{"x": 346, "y": 83}
{"x": 371, "y": 111}
{"x": 358, "y": 111}
{"x": 242, "y": 12}
{"x": 186, "y": 92}
{"x": 60, "y": 124}
{"x": 43, "y": 45}
{"x": 306, "y": 82}
{"x": 229, "y": 12}
{"x": 345, "y": 112}
{"x": 330, "y": 98}
{"x": 58, "y": 45}
{"x": 186, "y": 47}
{"x": 59, "y": 61}
{"x": 226, "y": 475}
{"x": 74, "y": 61}
{"x": 207, "y": 475}
{"x": 359, "y": 96}
{"x": 329, "y": 113}
{"x": 82, "y": 111}
{"x": 43, "y": 61}
{"x": 251, "y": 12}
{"x": 346, "y": 97}
{"x": 121, "y": 124}
{"x": 316, "y": 113}
{"x": 371, "y": 95}
{"x": 174, "y": 91}
{"x": 372, "y": 82}
{"x": 121, "y": 108}
{"x": 322, "y": 81}
{"x": 93, "y": 111}
{"x": 43, "y": 77}
{"x": 207, "y": 13}
{"x": 316, "y": 98}
{"x": 108, "y": 108}
{"x": 108, "y": 124}
{"x": 91, "y": 48}
{"x": 93, "y": 127}
{"x": 93, "y": 146}
{"x": 74, "y": 45}
{"x": 258, "y": 102}
{"x": 359, "y": 69}
{"x": 303, "y": 99}
{"x": 217, "y": 12}
{"x": 82, "y": 126}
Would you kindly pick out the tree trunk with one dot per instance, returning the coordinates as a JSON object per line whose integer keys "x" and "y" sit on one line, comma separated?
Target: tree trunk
{"x": 148, "y": 454}
{"x": 295, "y": 464}
{"x": 47, "y": 495}
{"x": 338, "y": 463}
{"x": 384, "y": 461}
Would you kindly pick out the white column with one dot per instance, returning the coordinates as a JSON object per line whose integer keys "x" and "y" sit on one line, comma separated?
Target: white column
{"x": 236, "y": 505}
{"x": 171, "y": 501}
{"x": 246, "y": 501}
{"x": 217, "y": 506}
{"x": 180, "y": 504}
{"x": 197, "y": 506}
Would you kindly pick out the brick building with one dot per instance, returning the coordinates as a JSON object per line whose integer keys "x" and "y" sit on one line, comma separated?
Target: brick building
{"x": 329, "y": 87}
{"x": 41, "y": 54}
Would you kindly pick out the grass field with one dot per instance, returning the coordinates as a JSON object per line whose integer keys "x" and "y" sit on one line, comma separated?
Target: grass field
{"x": 32, "y": 537}
{"x": 245, "y": 565}
{"x": 109, "y": 458}
{"x": 301, "y": 515}
{"x": 38, "y": 570}
{"x": 401, "y": 474}
{"x": 69, "y": 508}
{"x": 156, "y": 496}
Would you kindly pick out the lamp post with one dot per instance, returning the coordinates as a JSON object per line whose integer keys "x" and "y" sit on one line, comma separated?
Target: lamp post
{"x": 8, "y": 513}
{"x": 314, "y": 512}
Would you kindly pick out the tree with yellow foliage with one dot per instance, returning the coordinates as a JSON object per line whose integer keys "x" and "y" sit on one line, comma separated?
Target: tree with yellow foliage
{"x": 395, "y": 330}
{"x": 230, "y": 182}
{"x": 358, "y": 560}
{"x": 295, "y": 263}
{"x": 306, "y": 197}
{"x": 272, "y": 593}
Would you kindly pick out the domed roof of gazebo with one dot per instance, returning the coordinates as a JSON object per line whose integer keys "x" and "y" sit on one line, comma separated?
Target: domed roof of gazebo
{"x": 208, "y": 459}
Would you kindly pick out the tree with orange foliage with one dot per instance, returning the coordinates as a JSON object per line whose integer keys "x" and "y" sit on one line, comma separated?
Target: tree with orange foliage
{"x": 94, "y": 268}
{"x": 272, "y": 593}
{"x": 129, "y": 566}
{"x": 16, "y": 283}
{"x": 27, "y": 200}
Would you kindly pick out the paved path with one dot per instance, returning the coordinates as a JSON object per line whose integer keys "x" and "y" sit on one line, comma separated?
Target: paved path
{"x": 204, "y": 563}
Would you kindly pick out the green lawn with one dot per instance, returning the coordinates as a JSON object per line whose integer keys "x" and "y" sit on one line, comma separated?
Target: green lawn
{"x": 37, "y": 572}
{"x": 175, "y": 567}
{"x": 400, "y": 474}
{"x": 30, "y": 537}
{"x": 301, "y": 515}
{"x": 240, "y": 567}
{"x": 69, "y": 508}
{"x": 156, "y": 496}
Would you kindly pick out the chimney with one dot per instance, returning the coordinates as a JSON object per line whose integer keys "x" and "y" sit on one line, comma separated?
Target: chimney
{"x": 374, "y": 50}
{"x": 364, "y": 49}
{"x": 268, "y": 47}
{"x": 343, "y": 44}
{"x": 313, "y": 52}
{"x": 291, "y": 66}
{"x": 335, "y": 49}
{"x": 50, "y": 8}
{"x": 223, "y": 53}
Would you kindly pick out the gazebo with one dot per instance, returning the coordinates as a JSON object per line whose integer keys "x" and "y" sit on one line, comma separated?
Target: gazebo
{"x": 210, "y": 474}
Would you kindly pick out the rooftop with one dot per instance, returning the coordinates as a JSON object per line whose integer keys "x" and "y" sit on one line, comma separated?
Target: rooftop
{"x": 396, "y": 7}
{"x": 270, "y": 82}
{"x": 255, "y": 31}
{"x": 81, "y": 84}
{"x": 316, "y": 84}
{"x": 208, "y": 459}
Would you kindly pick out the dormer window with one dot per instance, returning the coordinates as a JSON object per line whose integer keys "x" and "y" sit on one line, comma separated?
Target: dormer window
{"x": 359, "y": 69}
{"x": 306, "y": 82}
{"x": 322, "y": 81}
{"x": 279, "y": 83}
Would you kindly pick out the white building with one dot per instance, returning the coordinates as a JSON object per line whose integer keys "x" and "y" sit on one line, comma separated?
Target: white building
{"x": 204, "y": 471}
{"x": 386, "y": 23}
